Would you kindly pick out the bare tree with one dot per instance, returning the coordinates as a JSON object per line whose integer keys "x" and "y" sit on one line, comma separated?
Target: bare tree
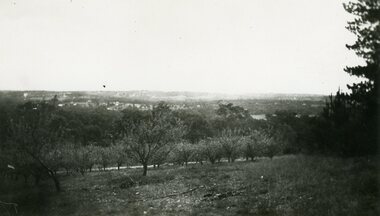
{"x": 211, "y": 149}
{"x": 119, "y": 154}
{"x": 231, "y": 144}
{"x": 149, "y": 132}
{"x": 85, "y": 158}
{"x": 184, "y": 152}
{"x": 267, "y": 143}
{"x": 36, "y": 131}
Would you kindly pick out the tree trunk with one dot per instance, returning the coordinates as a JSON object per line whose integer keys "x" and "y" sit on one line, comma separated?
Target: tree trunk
{"x": 55, "y": 180}
{"x": 145, "y": 169}
{"x": 50, "y": 172}
{"x": 36, "y": 180}
{"x": 56, "y": 183}
{"x": 26, "y": 179}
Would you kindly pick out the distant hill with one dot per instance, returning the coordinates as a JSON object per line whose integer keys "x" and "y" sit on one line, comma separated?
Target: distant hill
{"x": 183, "y": 96}
{"x": 161, "y": 95}
{"x": 158, "y": 95}
{"x": 255, "y": 103}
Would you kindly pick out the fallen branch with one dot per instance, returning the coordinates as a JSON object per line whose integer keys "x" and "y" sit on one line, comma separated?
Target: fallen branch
{"x": 13, "y": 205}
{"x": 213, "y": 196}
{"x": 177, "y": 194}
{"x": 167, "y": 196}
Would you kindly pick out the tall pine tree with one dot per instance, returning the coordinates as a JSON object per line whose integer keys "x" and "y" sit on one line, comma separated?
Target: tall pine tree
{"x": 353, "y": 118}
{"x": 366, "y": 27}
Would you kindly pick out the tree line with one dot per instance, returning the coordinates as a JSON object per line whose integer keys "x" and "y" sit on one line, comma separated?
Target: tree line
{"x": 40, "y": 140}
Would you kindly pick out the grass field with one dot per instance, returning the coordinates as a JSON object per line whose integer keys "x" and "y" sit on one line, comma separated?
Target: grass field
{"x": 287, "y": 185}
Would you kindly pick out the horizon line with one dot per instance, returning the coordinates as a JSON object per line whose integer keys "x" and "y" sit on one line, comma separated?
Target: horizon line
{"x": 166, "y": 91}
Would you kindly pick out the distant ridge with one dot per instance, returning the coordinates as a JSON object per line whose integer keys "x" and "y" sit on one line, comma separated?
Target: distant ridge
{"x": 167, "y": 95}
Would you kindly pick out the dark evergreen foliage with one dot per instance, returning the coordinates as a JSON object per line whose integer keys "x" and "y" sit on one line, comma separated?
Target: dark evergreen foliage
{"x": 350, "y": 120}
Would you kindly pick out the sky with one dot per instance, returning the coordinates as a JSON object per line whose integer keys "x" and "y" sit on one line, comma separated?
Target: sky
{"x": 224, "y": 46}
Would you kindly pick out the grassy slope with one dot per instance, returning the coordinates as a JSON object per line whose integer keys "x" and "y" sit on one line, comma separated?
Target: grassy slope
{"x": 288, "y": 185}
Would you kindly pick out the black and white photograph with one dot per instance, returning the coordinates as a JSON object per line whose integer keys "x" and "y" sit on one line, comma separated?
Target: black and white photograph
{"x": 189, "y": 107}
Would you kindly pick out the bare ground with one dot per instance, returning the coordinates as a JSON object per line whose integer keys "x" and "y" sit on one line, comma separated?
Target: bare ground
{"x": 287, "y": 185}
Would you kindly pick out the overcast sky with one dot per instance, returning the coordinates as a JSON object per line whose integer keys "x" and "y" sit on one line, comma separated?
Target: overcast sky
{"x": 234, "y": 46}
